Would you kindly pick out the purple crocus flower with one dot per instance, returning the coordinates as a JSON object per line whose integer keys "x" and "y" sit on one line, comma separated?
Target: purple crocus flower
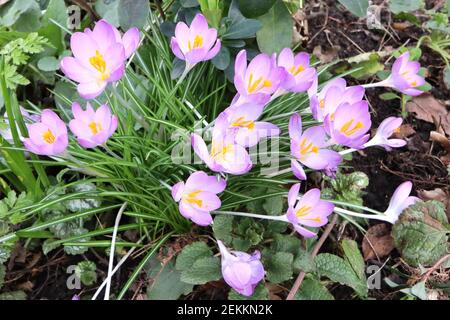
{"x": 384, "y": 131}
{"x": 198, "y": 197}
{"x": 309, "y": 148}
{"x": 92, "y": 128}
{"x": 309, "y": 211}
{"x": 400, "y": 200}
{"x": 226, "y": 155}
{"x": 257, "y": 81}
{"x": 349, "y": 125}
{"x": 5, "y": 129}
{"x": 240, "y": 270}
{"x": 75, "y": 297}
{"x": 299, "y": 76}
{"x": 404, "y": 76}
{"x": 243, "y": 125}
{"x": 99, "y": 57}
{"x": 47, "y": 137}
{"x": 333, "y": 94}
{"x": 195, "y": 43}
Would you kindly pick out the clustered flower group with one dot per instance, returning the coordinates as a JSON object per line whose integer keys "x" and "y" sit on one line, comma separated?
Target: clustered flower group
{"x": 341, "y": 112}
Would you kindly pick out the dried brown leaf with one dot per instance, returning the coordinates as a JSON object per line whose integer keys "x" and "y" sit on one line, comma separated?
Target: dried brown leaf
{"x": 427, "y": 108}
{"x": 378, "y": 242}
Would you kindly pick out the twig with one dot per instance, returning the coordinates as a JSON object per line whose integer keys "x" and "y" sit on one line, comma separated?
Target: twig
{"x": 315, "y": 251}
{"x": 435, "y": 266}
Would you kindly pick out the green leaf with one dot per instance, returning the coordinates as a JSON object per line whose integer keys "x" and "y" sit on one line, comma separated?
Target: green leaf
{"x": 57, "y": 11}
{"x": 192, "y": 253}
{"x": 279, "y": 267}
{"x": 86, "y": 272}
{"x": 48, "y": 64}
{"x": 357, "y": 7}
{"x": 397, "y": 6}
{"x": 313, "y": 289}
{"x": 222, "y": 60}
{"x": 276, "y": 31}
{"x": 447, "y": 76}
{"x": 285, "y": 243}
{"x": 368, "y": 67}
{"x": 202, "y": 271}
{"x": 22, "y": 15}
{"x": 260, "y": 293}
{"x": 133, "y": 13}
{"x": 303, "y": 261}
{"x": 255, "y": 8}
{"x": 354, "y": 257}
{"x": 2, "y": 275}
{"x": 389, "y": 96}
{"x": 273, "y": 205}
{"x": 339, "y": 270}
{"x": 239, "y": 26}
{"x": 189, "y": 3}
{"x": 223, "y": 228}
{"x": 13, "y": 295}
{"x": 79, "y": 205}
{"x": 420, "y": 233}
{"x": 108, "y": 10}
{"x": 165, "y": 281}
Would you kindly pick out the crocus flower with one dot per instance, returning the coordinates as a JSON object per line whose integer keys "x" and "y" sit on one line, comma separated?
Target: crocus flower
{"x": 198, "y": 197}
{"x": 240, "y": 270}
{"x": 309, "y": 211}
{"x": 226, "y": 155}
{"x": 257, "y": 81}
{"x": 195, "y": 43}
{"x": 5, "y": 129}
{"x": 47, "y": 137}
{"x": 309, "y": 148}
{"x": 400, "y": 200}
{"x": 243, "y": 125}
{"x": 76, "y": 297}
{"x": 99, "y": 57}
{"x": 404, "y": 76}
{"x": 384, "y": 131}
{"x": 349, "y": 125}
{"x": 299, "y": 76}
{"x": 333, "y": 94}
{"x": 92, "y": 128}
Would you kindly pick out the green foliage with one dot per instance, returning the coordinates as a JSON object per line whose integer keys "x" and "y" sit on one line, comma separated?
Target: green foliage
{"x": 398, "y": 6}
{"x": 255, "y": 8}
{"x": 21, "y": 15}
{"x": 212, "y": 10}
{"x": 239, "y": 27}
{"x": 313, "y": 289}
{"x": 86, "y": 271}
{"x": 421, "y": 234}
{"x": 133, "y": 13}
{"x": 357, "y": 7}
{"x": 354, "y": 258}
{"x": 2, "y": 275}
{"x": 347, "y": 187}
{"x": 276, "y": 31}
{"x": 370, "y": 64}
{"x": 260, "y": 293}
{"x": 11, "y": 205}
{"x": 13, "y": 295}
{"x": 279, "y": 266}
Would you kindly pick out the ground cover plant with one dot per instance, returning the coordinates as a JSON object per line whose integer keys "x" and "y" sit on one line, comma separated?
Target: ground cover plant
{"x": 224, "y": 150}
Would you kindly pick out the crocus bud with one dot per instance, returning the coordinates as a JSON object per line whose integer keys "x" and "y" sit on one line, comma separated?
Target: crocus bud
{"x": 240, "y": 270}
{"x": 384, "y": 131}
{"x": 400, "y": 200}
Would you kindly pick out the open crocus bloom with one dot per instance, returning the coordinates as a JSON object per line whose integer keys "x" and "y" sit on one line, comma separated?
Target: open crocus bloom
{"x": 333, "y": 94}
{"x": 299, "y": 75}
{"x": 198, "y": 197}
{"x": 47, "y": 137}
{"x": 309, "y": 211}
{"x": 257, "y": 81}
{"x": 384, "y": 131}
{"x": 99, "y": 57}
{"x": 243, "y": 125}
{"x": 309, "y": 148}
{"x": 240, "y": 270}
{"x": 404, "y": 76}
{"x": 226, "y": 155}
{"x": 400, "y": 201}
{"x": 92, "y": 128}
{"x": 195, "y": 43}
{"x": 349, "y": 124}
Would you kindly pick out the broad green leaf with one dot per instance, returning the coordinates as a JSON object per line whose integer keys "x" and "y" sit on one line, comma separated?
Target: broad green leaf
{"x": 56, "y": 11}
{"x": 285, "y": 243}
{"x": 86, "y": 272}
{"x": 222, "y": 60}
{"x": 313, "y": 289}
{"x": 189, "y": 3}
{"x": 354, "y": 257}
{"x": 202, "y": 271}
{"x": 24, "y": 15}
{"x": 78, "y": 205}
{"x": 357, "y": 7}
{"x": 48, "y": 64}
{"x": 108, "y": 10}
{"x": 279, "y": 267}
{"x": 223, "y": 228}
{"x": 447, "y": 76}
{"x": 276, "y": 31}
{"x": 255, "y": 8}
{"x": 389, "y": 96}
{"x": 260, "y": 293}
{"x": 368, "y": 67}
{"x": 239, "y": 26}
{"x": 303, "y": 261}
{"x": 133, "y": 13}
{"x": 339, "y": 270}
{"x": 2, "y": 275}
{"x": 273, "y": 205}
{"x": 397, "y": 6}
{"x": 13, "y": 295}
{"x": 192, "y": 253}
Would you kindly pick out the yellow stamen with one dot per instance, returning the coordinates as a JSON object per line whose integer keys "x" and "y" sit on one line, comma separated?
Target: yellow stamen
{"x": 347, "y": 130}
{"x": 414, "y": 83}
{"x": 322, "y": 103}
{"x": 191, "y": 198}
{"x": 303, "y": 211}
{"x": 198, "y": 42}
{"x": 305, "y": 149}
{"x": 95, "y": 127}
{"x": 255, "y": 86}
{"x": 99, "y": 63}
{"x": 241, "y": 122}
{"x": 49, "y": 137}
{"x": 296, "y": 70}
{"x": 397, "y": 130}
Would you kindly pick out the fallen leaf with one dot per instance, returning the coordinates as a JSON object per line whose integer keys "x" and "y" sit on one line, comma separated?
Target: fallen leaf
{"x": 327, "y": 55}
{"x": 441, "y": 139}
{"x": 378, "y": 242}
{"x": 401, "y": 25}
{"x": 406, "y": 130}
{"x": 427, "y": 108}
{"x": 437, "y": 194}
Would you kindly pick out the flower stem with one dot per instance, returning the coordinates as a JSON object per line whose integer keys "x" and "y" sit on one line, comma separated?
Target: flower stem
{"x": 362, "y": 215}
{"x": 250, "y": 215}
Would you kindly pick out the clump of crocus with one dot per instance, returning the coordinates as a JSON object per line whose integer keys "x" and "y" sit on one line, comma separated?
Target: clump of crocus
{"x": 243, "y": 125}
{"x": 310, "y": 148}
{"x": 99, "y": 57}
{"x": 257, "y": 81}
{"x": 240, "y": 270}
{"x": 198, "y": 197}
{"x": 225, "y": 155}
{"x": 299, "y": 76}
{"x": 385, "y": 130}
{"x": 92, "y": 128}
{"x": 195, "y": 43}
{"x": 48, "y": 137}
{"x": 349, "y": 125}
{"x": 309, "y": 211}
{"x": 333, "y": 94}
